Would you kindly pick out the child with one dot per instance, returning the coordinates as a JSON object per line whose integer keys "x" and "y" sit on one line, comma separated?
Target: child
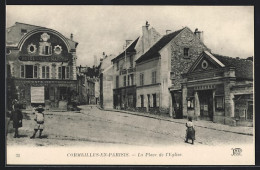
{"x": 190, "y": 132}
{"x": 39, "y": 119}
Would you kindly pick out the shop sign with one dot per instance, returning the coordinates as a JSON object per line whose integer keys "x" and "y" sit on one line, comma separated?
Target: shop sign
{"x": 37, "y": 94}
{"x": 205, "y": 87}
{"x": 44, "y": 58}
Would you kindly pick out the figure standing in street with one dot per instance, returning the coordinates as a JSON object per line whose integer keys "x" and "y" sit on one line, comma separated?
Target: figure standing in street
{"x": 39, "y": 122}
{"x": 16, "y": 117}
{"x": 190, "y": 132}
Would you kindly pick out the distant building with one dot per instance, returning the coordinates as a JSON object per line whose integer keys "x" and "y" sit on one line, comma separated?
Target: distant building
{"x": 220, "y": 89}
{"x": 87, "y": 83}
{"x": 42, "y": 66}
{"x": 106, "y": 82}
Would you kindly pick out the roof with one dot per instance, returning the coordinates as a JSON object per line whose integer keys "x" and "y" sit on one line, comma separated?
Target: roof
{"x": 129, "y": 49}
{"x": 153, "y": 52}
{"x": 243, "y": 67}
{"x": 14, "y": 38}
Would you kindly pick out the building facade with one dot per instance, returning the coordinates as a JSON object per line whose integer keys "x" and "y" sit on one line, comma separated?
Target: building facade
{"x": 219, "y": 89}
{"x": 158, "y": 71}
{"x": 42, "y": 65}
{"x": 124, "y": 92}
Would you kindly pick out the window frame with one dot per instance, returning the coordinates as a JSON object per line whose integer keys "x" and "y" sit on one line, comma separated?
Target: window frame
{"x": 141, "y": 79}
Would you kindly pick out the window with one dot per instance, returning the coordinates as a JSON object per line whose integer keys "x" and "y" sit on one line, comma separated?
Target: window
{"x": 186, "y": 52}
{"x": 128, "y": 80}
{"x": 63, "y": 72}
{"x": 117, "y": 65}
{"x": 142, "y": 100}
{"x": 117, "y": 81}
{"x": 28, "y": 71}
{"x": 124, "y": 81}
{"x": 190, "y": 103}
{"x": 141, "y": 79}
{"x": 153, "y": 77}
{"x": 67, "y": 72}
{"x": 45, "y": 72}
{"x": 35, "y": 72}
{"x": 219, "y": 102}
{"x": 131, "y": 61}
{"x": 154, "y": 100}
{"x": 59, "y": 72}
{"x": 23, "y": 31}
{"x": 45, "y": 48}
{"x": 22, "y": 71}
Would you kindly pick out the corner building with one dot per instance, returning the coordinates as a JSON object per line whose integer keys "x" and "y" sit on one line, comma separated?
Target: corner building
{"x": 42, "y": 65}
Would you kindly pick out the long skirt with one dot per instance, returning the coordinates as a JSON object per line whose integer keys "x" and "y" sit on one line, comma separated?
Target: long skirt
{"x": 190, "y": 133}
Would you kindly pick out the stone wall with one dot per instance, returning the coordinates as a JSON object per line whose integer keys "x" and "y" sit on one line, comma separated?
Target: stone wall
{"x": 179, "y": 63}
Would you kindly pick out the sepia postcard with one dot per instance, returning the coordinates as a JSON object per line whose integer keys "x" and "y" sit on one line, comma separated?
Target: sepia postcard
{"x": 129, "y": 85}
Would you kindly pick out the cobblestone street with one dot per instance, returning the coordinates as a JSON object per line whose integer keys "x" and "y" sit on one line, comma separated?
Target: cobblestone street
{"x": 92, "y": 126}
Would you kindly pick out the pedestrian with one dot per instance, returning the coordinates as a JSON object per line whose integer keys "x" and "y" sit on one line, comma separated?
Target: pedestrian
{"x": 190, "y": 131}
{"x": 16, "y": 117}
{"x": 39, "y": 121}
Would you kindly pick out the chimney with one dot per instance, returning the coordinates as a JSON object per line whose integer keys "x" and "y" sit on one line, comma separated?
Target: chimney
{"x": 199, "y": 34}
{"x": 168, "y": 32}
{"x": 71, "y": 36}
{"x": 145, "y": 39}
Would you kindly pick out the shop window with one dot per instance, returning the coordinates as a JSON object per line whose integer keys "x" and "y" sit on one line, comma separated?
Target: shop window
{"x": 154, "y": 100}
{"x": 142, "y": 100}
{"x": 190, "y": 103}
{"x": 141, "y": 79}
{"x": 46, "y": 93}
{"x": 219, "y": 102}
{"x": 153, "y": 77}
{"x": 63, "y": 93}
{"x": 45, "y": 72}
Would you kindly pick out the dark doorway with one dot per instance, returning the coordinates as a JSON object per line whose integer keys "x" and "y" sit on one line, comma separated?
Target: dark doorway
{"x": 177, "y": 104}
{"x": 206, "y": 104}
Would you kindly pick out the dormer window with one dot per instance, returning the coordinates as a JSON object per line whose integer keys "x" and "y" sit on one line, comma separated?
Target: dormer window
{"x": 45, "y": 48}
{"x": 23, "y": 31}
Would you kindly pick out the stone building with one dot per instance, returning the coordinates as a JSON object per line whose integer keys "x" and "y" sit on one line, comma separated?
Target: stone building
{"x": 42, "y": 65}
{"x": 106, "y": 82}
{"x": 219, "y": 89}
{"x": 124, "y": 92}
{"x": 158, "y": 71}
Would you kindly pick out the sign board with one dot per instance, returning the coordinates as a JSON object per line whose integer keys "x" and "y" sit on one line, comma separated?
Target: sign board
{"x": 37, "y": 94}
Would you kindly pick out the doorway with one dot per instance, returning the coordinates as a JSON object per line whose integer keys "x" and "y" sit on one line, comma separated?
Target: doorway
{"x": 206, "y": 104}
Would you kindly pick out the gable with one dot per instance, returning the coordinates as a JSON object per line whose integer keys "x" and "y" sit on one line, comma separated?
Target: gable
{"x": 205, "y": 62}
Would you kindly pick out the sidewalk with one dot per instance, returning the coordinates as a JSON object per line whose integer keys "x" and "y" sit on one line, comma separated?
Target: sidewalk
{"x": 200, "y": 123}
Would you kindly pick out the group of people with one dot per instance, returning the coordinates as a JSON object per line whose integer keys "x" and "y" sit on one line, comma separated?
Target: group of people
{"x": 17, "y": 117}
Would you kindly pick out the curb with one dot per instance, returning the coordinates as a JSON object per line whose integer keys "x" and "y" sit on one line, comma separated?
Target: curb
{"x": 149, "y": 116}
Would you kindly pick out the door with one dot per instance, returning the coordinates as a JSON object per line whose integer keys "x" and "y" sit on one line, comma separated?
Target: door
{"x": 206, "y": 104}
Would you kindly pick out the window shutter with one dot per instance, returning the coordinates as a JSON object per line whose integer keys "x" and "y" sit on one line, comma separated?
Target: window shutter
{"x": 158, "y": 99}
{"x": 43, "y": 72}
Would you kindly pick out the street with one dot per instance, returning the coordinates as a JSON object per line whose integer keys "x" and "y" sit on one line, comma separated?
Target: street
{"x": 92, "y": 126}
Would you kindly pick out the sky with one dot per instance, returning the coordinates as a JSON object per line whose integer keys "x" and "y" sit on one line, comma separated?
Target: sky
{"x": 228, "y": 30}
